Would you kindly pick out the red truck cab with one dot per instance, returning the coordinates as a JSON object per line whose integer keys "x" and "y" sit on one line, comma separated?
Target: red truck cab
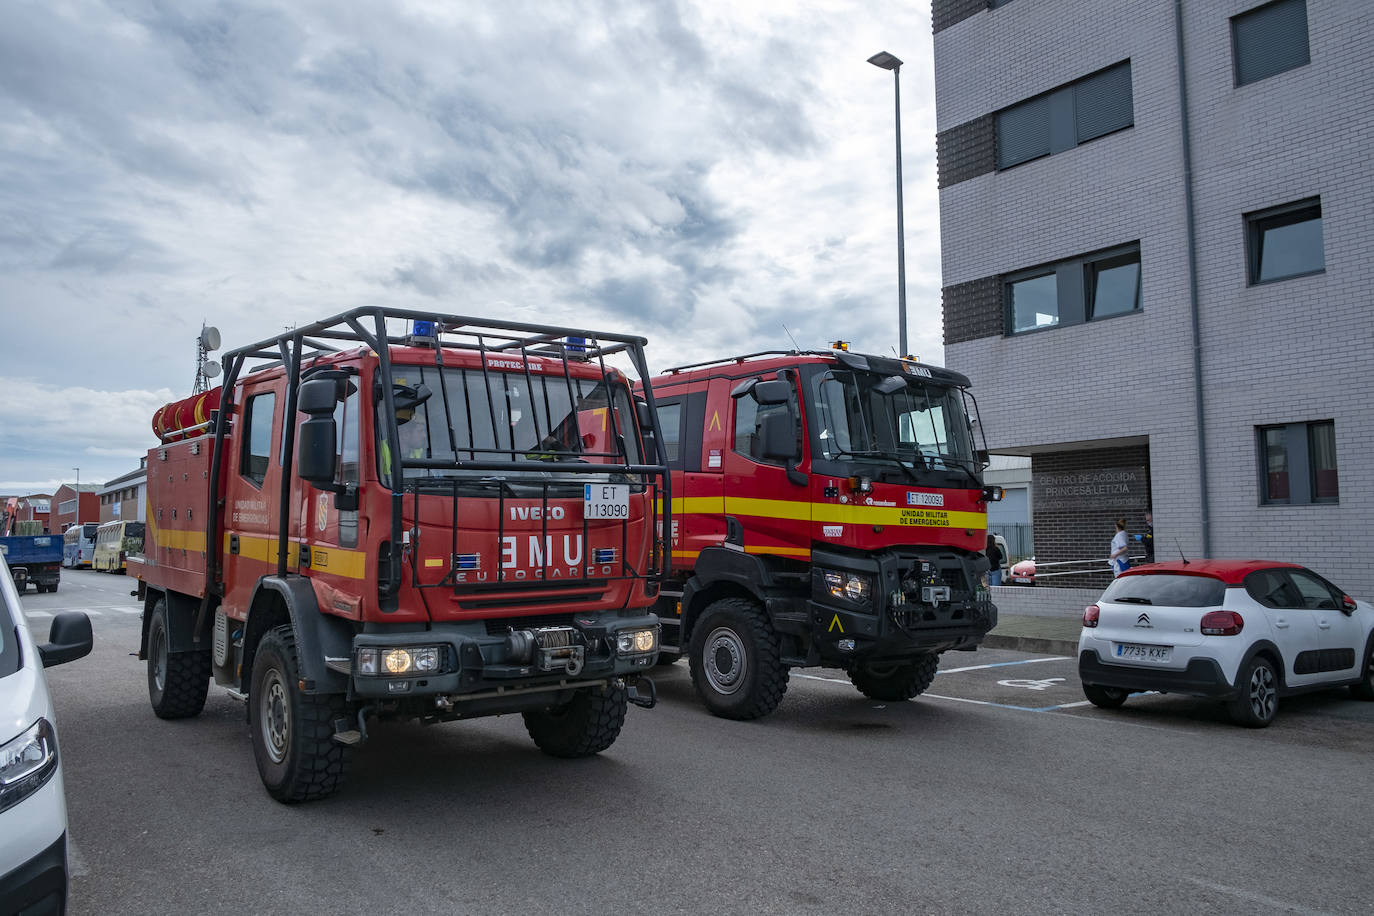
{"x": 828, "y": 509}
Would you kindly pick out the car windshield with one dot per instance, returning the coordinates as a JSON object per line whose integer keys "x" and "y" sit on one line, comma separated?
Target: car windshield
{"x": 513, "y": 417}
{"x": 920, "y": 424}
{"x": 1166, "y": 590}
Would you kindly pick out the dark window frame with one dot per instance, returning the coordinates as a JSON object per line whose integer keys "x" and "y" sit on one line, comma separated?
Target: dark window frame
{"x": 1300, "y": 467}
{"x": 1258, "y": 222}
{"x": 1250, "y": 15}
{"x": 1075, "y": 281}
{"x": 1061, "y": 116}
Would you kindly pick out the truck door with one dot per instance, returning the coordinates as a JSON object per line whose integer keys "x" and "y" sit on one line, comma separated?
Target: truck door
{"x": 697, "y": 470}
{"x": 765, "y": 512}
{"x": 332, "y": 537}
{"x": 252, "y": 496}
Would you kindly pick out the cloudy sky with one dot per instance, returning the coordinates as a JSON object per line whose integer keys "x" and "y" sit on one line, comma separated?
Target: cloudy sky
{"x": 700, "y": 172}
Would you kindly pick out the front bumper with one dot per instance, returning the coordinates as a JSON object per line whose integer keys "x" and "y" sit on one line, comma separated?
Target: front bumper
{"x": 1201, "y": 678}
{"x": 903, "y": 618}
{"x": 475, "y": 661}
{"x": 39, "y": 886}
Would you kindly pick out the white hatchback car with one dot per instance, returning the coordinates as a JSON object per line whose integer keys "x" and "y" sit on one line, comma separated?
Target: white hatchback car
{"x": 1243, "y": 631}
{"x": 33, "y": 808}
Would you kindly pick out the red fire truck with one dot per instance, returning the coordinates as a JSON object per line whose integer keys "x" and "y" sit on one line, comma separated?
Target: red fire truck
{"x": 453, "y": 520}
{"x": 828, "y": 509}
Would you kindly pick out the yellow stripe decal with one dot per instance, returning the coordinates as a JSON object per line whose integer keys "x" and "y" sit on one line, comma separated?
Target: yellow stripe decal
{"x": 351, "y": 564}
{"x": 780, "y": 551}
{"x": 832, "y": 513}
{"x": 177, "y": 539}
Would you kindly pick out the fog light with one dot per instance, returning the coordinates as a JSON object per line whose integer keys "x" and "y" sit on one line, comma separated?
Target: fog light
{"x": 636, "y": 642}
{"x": 397, "y": 661}
{"x": 845, "y": 645}
{"x": 368, "y": 659}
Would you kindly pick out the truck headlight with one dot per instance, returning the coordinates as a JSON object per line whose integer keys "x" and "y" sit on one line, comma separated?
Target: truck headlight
{"x": 852, "y": 587}
{"x": 27, "y": 763}
{"x": 636, "y": 642}
{"x": 399, "y": 660}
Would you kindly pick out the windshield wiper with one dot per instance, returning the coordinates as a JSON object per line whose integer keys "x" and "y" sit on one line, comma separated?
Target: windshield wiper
{"x": 877, "y": 456}
{"x": 1129, "y": 599}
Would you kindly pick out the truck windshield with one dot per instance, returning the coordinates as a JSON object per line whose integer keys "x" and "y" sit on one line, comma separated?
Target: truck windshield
{"x": 513, "y": 418}
{"x": 921, "y": 426}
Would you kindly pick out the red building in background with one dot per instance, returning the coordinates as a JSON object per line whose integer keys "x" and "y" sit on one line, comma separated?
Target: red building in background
{"x": 73, "y": 504}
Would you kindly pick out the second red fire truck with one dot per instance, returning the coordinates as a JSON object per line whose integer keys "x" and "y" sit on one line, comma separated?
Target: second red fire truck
{"x": 828, "y": 509}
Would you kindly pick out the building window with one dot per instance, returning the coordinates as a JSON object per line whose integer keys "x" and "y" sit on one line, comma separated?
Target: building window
{"x": 1286, "y": 241}
{"x": 1114, "y": 285}
{"x": 1063, "y": 118}
{"x": 1269, "y": 39}
{"x": 1087, "y": 288}
{"x": 1034, "y": 303}
{"x": 1298, "y": 463}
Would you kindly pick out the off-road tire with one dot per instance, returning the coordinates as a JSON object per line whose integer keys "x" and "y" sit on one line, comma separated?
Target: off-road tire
{"x": 292, "y": 731}
{"x": 1105, "y": 697}
{"x": 585, "y": 725}
{"x": 1364, "y": 690}
{"x": 734, "y": 633}
{"x": 895, "y": 681}
{"x": 177, "y": 681}
{"x": 1258, "y": 702}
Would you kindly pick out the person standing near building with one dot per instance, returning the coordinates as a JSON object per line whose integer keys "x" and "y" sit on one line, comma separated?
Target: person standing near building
{"x": 1117, "y": 558}
{"x": 1147, "y": 540}
{"x": 994, "y": 555}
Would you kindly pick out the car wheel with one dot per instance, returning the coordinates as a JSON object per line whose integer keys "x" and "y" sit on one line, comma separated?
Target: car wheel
{"x": 736, "y": 662}
{"x": 1258, "y": 701}
{"x": 1364, "y": 690}
{"x": 1105, "y": 697}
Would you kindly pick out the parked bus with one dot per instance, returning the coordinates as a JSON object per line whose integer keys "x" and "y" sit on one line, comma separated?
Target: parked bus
{"x": 114, "y": 542}
{"x": 79, "y": 545}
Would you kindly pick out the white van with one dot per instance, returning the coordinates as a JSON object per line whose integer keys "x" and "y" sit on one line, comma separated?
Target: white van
{"x": 33, "y": 805}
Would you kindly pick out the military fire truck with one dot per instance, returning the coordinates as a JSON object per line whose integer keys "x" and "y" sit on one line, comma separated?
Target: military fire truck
{"x": 828, "y": 509}
{"x": 393, "y": 514}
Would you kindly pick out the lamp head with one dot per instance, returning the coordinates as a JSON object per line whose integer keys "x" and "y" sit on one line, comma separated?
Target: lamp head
{"x": 885, "y": 60}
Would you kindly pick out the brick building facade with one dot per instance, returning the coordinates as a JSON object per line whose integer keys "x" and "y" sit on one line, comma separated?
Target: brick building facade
{"x": 1158, "y": 263}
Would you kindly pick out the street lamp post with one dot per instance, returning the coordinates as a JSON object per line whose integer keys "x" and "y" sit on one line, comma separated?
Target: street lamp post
{"x": 889, "y": 62}
{"x": 78, "y": 495}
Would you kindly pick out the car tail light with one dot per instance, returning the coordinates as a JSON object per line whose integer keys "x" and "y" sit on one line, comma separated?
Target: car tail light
{"x": 1090, "y": 615}
{"x": 1222, "y": 623}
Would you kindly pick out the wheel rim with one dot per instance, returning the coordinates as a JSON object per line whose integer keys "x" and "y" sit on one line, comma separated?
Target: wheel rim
{"x": 1262, "y": 694}
{"x": 276, "y": 717}
{"x": 725, "y": 661}
{"x": 159, "y": 654}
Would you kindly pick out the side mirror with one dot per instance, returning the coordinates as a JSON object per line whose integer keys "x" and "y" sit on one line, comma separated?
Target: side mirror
{"x": 771, "y": 392}
{"x": 318, "y": 396}
{"x": 315, "y": 450}
{"x": 644, "y": 415}
{"x": 776, "y": 437}
{"x": 69, "y": 638}
{"x": 1348, "y": 605}
{"x": 983, "y": 457}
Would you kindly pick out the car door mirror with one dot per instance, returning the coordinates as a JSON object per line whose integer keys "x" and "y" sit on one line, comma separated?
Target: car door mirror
{"x": 1348, "y": 605}
{"x": 69, "y": 638}
{"x": 778, "y": 440}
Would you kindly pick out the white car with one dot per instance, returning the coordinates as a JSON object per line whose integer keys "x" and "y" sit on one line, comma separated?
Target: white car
{"x": 33, "y": 808}
{"x": 1243, "y": 631}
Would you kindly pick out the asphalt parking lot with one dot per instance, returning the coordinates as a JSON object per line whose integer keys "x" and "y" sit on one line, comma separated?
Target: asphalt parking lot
{"x": 1000, "y": 790}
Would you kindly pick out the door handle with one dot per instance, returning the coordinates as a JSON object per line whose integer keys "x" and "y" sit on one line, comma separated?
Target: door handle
{"x": 1281, "y": 623}
{"x": 233, "y": 543}
{"x": 1323, "y": 625}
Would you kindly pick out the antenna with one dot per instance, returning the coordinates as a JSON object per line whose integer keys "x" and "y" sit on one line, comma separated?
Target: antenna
{"x": 796, "y": 348}
{"x": 206, "y": 368}
{"x": 1180, "y": 552}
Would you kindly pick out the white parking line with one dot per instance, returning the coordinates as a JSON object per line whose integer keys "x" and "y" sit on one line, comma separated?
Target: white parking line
{"x": 1028, "y": 661}
{"x": 32, "y": 614}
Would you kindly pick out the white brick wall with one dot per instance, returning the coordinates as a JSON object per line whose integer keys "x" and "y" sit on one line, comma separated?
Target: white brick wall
{"x": 1296, "y": 350}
